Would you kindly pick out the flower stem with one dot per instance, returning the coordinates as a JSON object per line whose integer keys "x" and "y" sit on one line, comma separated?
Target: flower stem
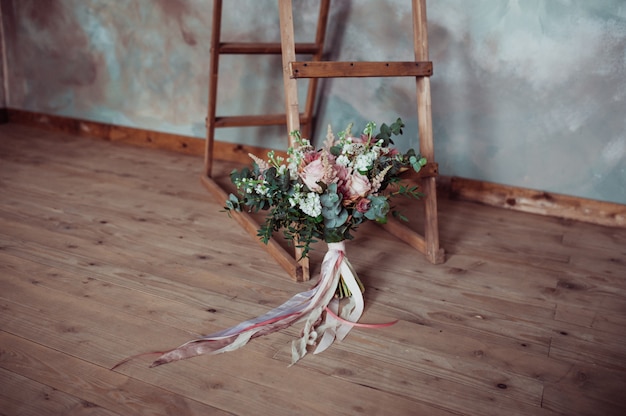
{"x": 342, "y": 288}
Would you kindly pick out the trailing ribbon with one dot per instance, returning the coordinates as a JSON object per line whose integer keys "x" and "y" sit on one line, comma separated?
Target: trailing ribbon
{"x": 325, "y": 319}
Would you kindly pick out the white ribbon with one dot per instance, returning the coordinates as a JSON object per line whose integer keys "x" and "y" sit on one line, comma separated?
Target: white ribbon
{"x": 351, "y": 312}
{"x": 311, "y": 306}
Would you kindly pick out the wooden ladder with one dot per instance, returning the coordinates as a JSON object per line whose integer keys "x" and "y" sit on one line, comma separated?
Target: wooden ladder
{"x": 421, "y": 69}
{"x": 299, "y": 271}
{"x": 213, "y": 121}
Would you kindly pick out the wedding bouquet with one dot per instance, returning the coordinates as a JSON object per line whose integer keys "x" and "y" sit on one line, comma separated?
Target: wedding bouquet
{"x": 326, "y": 194}
{"x": 316, "y": 195}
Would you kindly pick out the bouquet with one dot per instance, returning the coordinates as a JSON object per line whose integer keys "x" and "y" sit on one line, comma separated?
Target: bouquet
{"x": 316, "y": 195}
{"x": 326, "y": 194}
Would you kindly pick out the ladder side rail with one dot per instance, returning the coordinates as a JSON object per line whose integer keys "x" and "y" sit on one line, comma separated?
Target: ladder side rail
{"x": 434, "y": 253}
{"x": 291, "y": 95}
{"x": 213, "y": 77}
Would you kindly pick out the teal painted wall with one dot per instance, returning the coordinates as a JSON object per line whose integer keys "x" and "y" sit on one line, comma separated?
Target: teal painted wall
{"x": 528, "y": 93}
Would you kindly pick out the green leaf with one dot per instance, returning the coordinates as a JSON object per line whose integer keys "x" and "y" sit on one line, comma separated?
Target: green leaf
{"x": 397, "y": 126}
{"x": 379, "y": 207}
{"x": 399, "y": 216}
{"x": 335, "y": 215}
{"x": 284, "y": 182}
{"x": 233, "y": 203}
{"x": 333, "y": 235}
{"x": 335, "y": 150}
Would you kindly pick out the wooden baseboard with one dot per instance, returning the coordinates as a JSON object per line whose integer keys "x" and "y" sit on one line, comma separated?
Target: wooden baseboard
{"x": 538, "y": 202}
{"x": 231, "y": 152}
{"x": 503, "y": 196}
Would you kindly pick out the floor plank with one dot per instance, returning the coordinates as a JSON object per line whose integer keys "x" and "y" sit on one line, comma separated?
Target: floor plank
{"x": 109, "y": 391}
{"x": 23, "y": 396}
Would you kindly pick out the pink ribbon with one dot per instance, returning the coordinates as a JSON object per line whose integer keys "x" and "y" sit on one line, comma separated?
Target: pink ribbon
{"x": 325, "y": 319}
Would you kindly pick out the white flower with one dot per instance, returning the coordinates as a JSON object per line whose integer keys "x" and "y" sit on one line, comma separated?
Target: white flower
{"x": 311, "y": 205}
{"x": 343, "y": 160}
{"x": 364, "y": 162}
{"x": 261, "y": 188}
{"x": 296, "y": 197}
{"x": 348, "y": 149}
{"x": 294, "y": 160}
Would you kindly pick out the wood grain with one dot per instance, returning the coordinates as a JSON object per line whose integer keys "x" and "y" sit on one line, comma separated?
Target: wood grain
{"x": 540, "y": 202}
{"x": 109, "y": 250}
{"x": 313, "y": 69}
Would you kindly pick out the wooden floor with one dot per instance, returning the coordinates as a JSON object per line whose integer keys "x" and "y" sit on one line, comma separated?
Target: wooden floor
{"x": 107, "y": 251}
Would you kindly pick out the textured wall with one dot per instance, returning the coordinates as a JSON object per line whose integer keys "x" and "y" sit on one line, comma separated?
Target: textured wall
{"x": 3, "y": 98}
{"x": 528, "y": 93}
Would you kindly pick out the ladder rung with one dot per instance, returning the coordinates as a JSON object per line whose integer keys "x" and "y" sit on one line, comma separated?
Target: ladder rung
{"x": 255, "y": 120}
{"x": 327, "y": 69}
{"x": 252, "y": 48}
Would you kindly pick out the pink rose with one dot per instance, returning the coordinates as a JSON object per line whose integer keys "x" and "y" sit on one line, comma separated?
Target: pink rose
{"x": 363, "y": 205}
{"x": 311, "y": 174}
{"x": 342, "y": 173}
{"x": 356, "y": 186}
{"x": 310, "y": 157}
